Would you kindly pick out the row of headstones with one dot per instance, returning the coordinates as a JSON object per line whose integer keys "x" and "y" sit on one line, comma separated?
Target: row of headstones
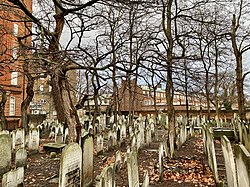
{"x": 56, "y": 131}
{"x": 167, "y": 148}
{"x": 138, "y": 134}
{"x": 237, "y": 165}
{"x": 14, "y": 144}
{"x": 107, "y": 177}
{"x": 241, "y": 132}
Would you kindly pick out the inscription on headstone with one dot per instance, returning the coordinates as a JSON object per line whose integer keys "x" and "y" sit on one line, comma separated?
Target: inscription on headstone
{"x": 71, "y": 166}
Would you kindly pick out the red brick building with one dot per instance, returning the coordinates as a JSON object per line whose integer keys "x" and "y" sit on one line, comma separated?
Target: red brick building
{"x": 12, "y": 79}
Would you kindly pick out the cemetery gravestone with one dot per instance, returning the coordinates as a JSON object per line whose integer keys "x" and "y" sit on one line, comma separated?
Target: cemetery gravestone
{"x": 19, "y": 139}
{"x": 145, "y": 179}
{"x": 5, "y": 153}
{"x": 87, "y": 161}
{"x": 229, "y": 162}
{"x": 99, "y": 144}
{"x": 242, "y": 156}
{"x": 34, "y": 138}
{"x": 21, "y": 157}
{"x": 133, "y": 174}
{"x": 13, "y": 178}
{"x": 71, "y": 166}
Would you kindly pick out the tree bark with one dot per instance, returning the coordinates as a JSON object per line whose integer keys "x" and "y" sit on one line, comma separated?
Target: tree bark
{"x": 30, "y": 94}
{"x": 2, "y": 108}
{"x": 167, "y": 29}
{"x": 239, "y": 76}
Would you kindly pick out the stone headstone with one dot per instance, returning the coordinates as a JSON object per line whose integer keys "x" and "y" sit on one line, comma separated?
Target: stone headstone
{"x": 21, "y": 157}
{"x": 99, "y": 144}
{"x": 71, "y": 166}
{"x": 19, "y": 139}
{"x": 118, "y": 160}
{"x": 110, "y": 141}
{"x": 145, "y": 179}
{"x": 5, "y": 153}
{"x": 87, "y": 160}
{"x": 148, "y": 136}
{"x": 133, "y": 174}
{"x": 229, "y": 162}
{"x": 34, "y": 138}
{"x": 13, "y": 178}
{"x": 161, "y": 154}
{"x": 242, "y": 157}
{"x": 108, "y": 177}
{"x": 59, "y": 137}
{"x": 210, "y": 151}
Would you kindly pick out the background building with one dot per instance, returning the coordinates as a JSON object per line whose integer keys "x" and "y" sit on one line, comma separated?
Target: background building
{"x": 12, "y": 79}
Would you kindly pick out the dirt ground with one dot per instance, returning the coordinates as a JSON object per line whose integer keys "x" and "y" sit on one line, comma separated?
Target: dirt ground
{"x": 187, "y": 168}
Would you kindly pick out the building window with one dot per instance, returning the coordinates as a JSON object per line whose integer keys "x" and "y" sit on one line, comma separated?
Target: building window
{"x": 14, "y": 53}
{"x": 41, "y": 88}
{"x": 12, "y": 106}
{"x": 14, "y": 78}
{"x": 15, "y": 29}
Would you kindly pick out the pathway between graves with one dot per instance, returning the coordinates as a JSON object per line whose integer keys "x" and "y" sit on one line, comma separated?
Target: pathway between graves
{"x": 187, "y": 168}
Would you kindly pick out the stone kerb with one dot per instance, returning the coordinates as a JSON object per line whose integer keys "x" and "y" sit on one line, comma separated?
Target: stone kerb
{"x": 242, "y": 157}
{"x": 87, "y": 160}
{"x": 5, "y": 153}
{"x": 229, "y": 162}
{"x": 71, "y": 166}
{"x": 13, "y": 178}
{"x": 133, "y": 173}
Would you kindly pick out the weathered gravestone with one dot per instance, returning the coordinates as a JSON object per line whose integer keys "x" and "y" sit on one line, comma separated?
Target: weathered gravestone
{"x": 133, "y": 174}
{"x": 208, "y": 140}
{"x": 19, "y": 140}
{"x": 21, "y": 157}
{"x": 148, "y": 136}
{"x": 59, "y": 137}
{"x": 14, "y": 178}
{"x": 145, "y": 179}
{"x": 5, "y": 153}
{"x": 117, "y": 161}
{"x": 242, "y": 156}
{"x": 34, "y": 138}
{"x": 229, "y": 162}
{"x": 110, "y": 141}
{"x": 71, "y": 166}
{"x": 106, "y": 178}
{"x": 87, "y": 160}
{"x": 99, "y": 144}
{"x": 161, "y": 155}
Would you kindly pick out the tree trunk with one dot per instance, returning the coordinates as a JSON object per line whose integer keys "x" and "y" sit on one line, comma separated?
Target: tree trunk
{"x": 3, "y": 125}
{"x": 30, "y": 94}
{"x": 167, "y": 27}
{"x": 66, "y": 111}
{"x": 239, "y": 76}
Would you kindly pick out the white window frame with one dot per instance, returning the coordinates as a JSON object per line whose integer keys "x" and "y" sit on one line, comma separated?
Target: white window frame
{"x": 15, "y": 29}
{"x": 12, "y": 105}
{"x": 14, "y": 78}
{"x": 41, "y": 87}
{"x": 14, "y": 53}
